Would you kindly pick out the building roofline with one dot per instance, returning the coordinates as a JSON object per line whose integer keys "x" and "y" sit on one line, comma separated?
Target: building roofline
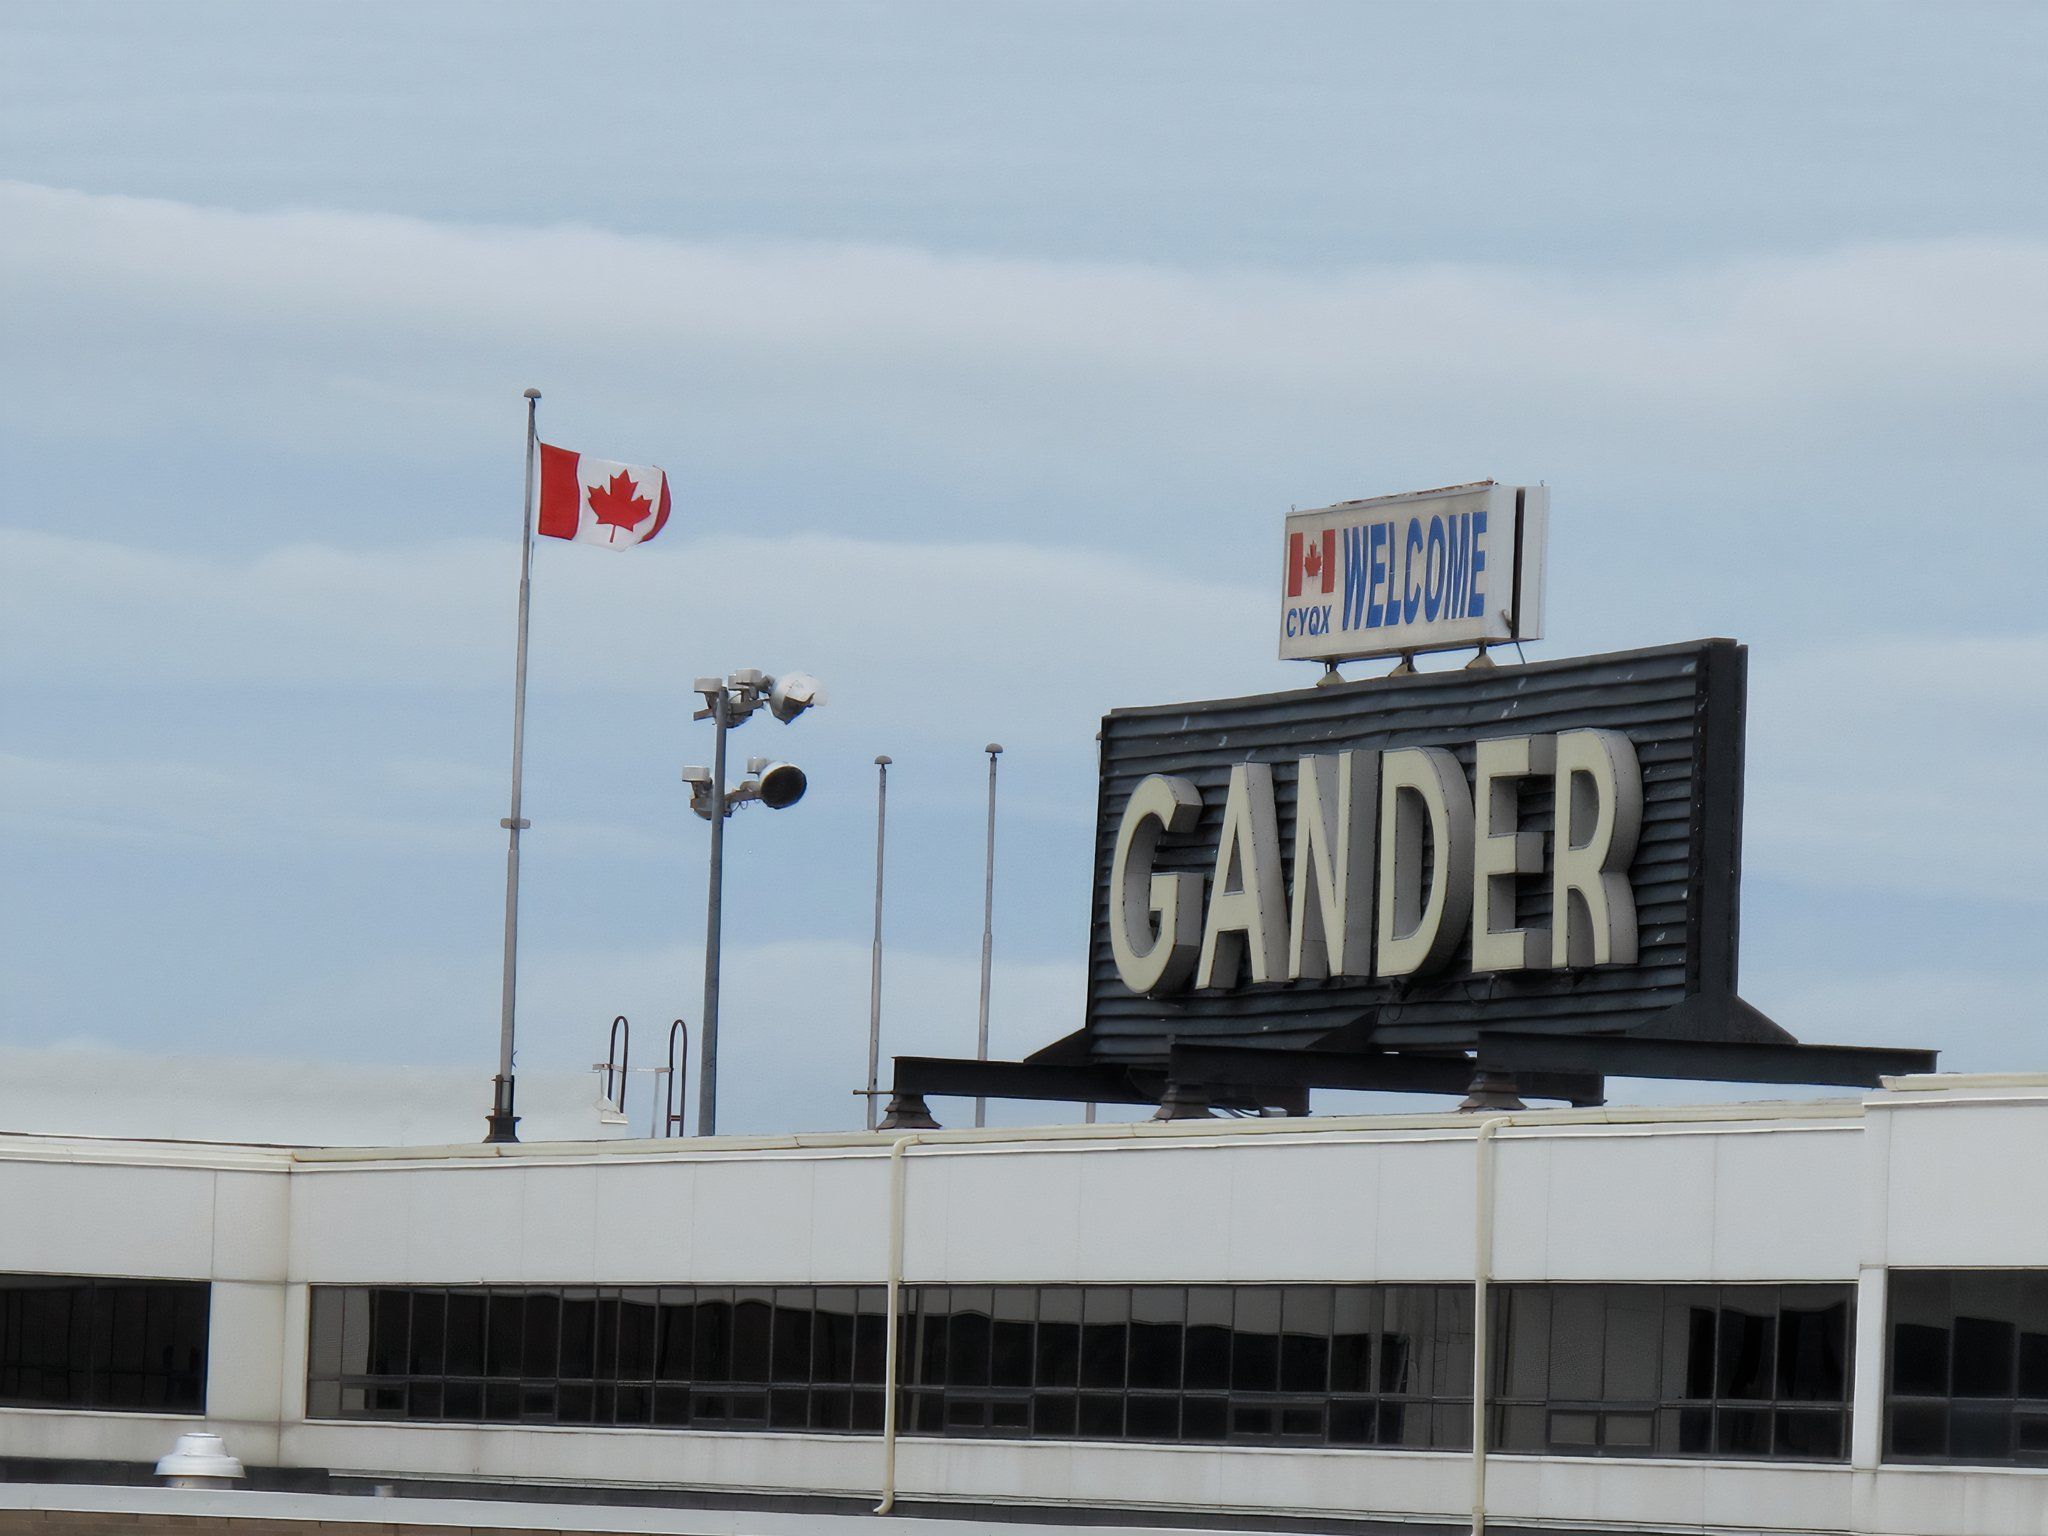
{"x": 15, "y": 1146}
{"x": 37, "y": 1146}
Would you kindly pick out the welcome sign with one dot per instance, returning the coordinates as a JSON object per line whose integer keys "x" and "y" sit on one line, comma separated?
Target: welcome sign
{"x": 1430, "y": 570}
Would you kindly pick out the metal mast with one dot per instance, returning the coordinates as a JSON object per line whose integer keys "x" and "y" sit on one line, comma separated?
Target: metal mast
{"x": 503, "y": 1123}
{"x": 988, "y": 924}
{"x": 875, "y": 964}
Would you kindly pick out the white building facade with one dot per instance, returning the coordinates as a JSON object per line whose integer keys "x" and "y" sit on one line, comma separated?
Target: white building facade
{"x": 1826, "y": 1316}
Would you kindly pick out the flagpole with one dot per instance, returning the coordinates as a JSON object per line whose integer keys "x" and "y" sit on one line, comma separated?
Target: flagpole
{"x": 503, "y": 1123}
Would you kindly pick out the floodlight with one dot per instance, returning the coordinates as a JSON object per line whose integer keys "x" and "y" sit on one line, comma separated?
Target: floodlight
{"x": 793, "y": 693}
{"x": 698, "y": 778}
{"x": 782, "y": 784}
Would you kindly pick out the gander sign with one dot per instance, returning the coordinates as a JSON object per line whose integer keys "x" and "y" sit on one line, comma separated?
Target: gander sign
{"x": 1446, "y": 851}
{"x": 1415, "y": 860}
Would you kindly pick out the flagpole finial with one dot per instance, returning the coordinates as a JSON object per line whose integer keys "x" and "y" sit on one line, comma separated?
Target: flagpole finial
{"x": 533, "y": 394}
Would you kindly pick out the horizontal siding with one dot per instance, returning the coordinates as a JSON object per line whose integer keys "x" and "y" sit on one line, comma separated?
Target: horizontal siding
{"x": 1656, "y": 698}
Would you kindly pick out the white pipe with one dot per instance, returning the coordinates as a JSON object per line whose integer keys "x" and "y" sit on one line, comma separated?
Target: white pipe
{"x": 894, "y": 1325}
{"x": 1482, "y": 1273}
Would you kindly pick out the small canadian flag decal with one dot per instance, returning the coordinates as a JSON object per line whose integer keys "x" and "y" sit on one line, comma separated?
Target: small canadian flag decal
{"x": 1312, "y": 561}
{"x": 594, "y": 501}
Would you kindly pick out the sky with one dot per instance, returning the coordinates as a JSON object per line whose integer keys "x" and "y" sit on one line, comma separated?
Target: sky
{"x": 986, "y": 347}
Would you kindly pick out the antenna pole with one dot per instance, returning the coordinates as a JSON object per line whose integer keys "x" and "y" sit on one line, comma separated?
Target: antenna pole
{"x": 988, "y": 925}
{"x": 875, "y": 964}
{"x": 503, "y": 1124}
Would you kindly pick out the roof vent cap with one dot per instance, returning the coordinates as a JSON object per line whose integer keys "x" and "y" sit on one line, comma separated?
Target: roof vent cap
{"x": 199, "y": 1460}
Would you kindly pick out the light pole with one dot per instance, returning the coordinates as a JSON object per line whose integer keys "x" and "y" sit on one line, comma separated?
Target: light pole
{"x": 988, "y": 925}
{"x": 729, "y": 702}
{"x": 714, "y": 912}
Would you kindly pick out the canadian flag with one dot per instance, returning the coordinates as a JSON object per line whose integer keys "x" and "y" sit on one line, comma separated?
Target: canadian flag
{"x": 1312, "y": 560}
{"x": 594, "y": 501}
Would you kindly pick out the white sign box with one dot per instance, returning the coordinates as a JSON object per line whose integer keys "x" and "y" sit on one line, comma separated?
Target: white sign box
{"x": 1430, "y": 570}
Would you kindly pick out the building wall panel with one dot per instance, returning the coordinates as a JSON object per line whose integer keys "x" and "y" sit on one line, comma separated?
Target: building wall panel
{"x": 251, "y": 1226}
{"x": 247, "y": 1370}
{"x": 106, "y": 1218}
{"x": 1788, "y": 1205}
{"x": 752, "y": 1220}
{"x": 1949, "y": 1201}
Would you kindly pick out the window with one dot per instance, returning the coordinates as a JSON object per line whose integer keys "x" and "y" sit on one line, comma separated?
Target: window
{"x": 1259, "y": 1364}
{"x": 1739, "y": 1371}
{"x": 1304, "y": 1365}
{"x": 716, "y": 1357}
{"x": 1967, "y": 1373}
{"x": 74, "y": 1341}
{"x": 1735, "y": 1371}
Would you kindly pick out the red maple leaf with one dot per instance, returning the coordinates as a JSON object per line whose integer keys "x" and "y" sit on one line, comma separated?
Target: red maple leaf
{"x": 1312, "y": 561}
{"x": 619, "y": 504}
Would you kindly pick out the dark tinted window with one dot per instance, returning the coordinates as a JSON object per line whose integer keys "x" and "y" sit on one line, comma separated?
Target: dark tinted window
{"x": 1306, "y": 1364}
{"x": 1684, "y": 1370}
{"x": 74, "y": 1341}
{"x": 1105, "y": 1335}
{"x": 1740, "y": 1371}
{"x": 1355, "y": 1319}
{"x": 1208, "y": 1338}
{"x": 1813, "y": 1349}
{"x": 1158, "y": 1329}
{"x": 684, "y": 1356}
{"x": 752, "y": 1313}
{"x": 1059, "y": 1337}
{"x": 638, "y": 1315}
{"x": 1966, "y": 1374}
{"x": 1407, "y": 1332}
{"x": 1274, "y": 1363}
{"x": 1306, "y": 1319}
{"x": 1255, "y": 1344}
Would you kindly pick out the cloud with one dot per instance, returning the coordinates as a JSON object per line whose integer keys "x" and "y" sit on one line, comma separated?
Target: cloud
{"x": 1908, "y": 764}
{"x": 1902, "y": 764}
{"x": 1979, "y": 1022}
{"x": 793, "y": 1047}
{"x": 908, "y": 633}
{"x": 188, "y": 806}
{"x": 986, "y": 499}
{"x": 86, "y": 1091}
{"x": 405, "y": 1049}
{"x": 281, "y": 326}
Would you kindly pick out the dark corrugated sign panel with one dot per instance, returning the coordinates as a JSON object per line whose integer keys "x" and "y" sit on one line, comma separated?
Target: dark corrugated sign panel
{"x": 1682, "y": 708}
